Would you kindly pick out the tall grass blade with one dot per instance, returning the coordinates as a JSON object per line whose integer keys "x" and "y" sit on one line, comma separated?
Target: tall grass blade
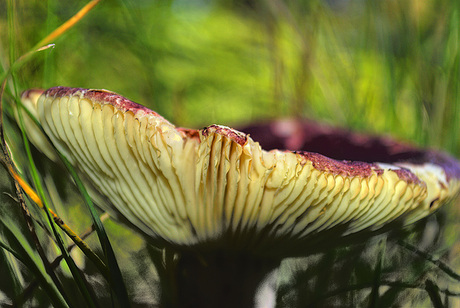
{"x": 12, "y": 279}
{"x": 115, "y": 278}
{"x": 6, "y": 159}
{"x": 116, "y": 282}
{"x": 81, "y": 283}
{"x": 68, "y": 24}
{"x": 20, "y": 249}
{"x": 78, "y": 241}
{"x": 441, "y": 265}
{"x": 433, "y": 291}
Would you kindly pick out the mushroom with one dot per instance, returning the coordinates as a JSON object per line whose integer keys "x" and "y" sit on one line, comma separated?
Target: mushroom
{"x": 231, "y": 209}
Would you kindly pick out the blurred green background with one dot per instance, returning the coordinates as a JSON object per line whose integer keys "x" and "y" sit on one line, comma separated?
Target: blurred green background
{"x": 378, "y": 66}
{"x": 382, "y": 67}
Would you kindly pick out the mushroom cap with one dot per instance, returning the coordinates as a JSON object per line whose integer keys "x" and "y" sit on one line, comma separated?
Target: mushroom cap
{"x": 217, "y": 188}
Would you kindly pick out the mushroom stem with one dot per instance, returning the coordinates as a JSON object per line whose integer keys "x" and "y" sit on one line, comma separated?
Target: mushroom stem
{"x": 217, "y": 280}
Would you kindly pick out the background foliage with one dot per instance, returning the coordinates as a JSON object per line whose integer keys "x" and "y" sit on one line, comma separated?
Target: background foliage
{"x": 384, "y": 67}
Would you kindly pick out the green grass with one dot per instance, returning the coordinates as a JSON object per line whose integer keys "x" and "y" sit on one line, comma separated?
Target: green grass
{"x": 383, "y": 67}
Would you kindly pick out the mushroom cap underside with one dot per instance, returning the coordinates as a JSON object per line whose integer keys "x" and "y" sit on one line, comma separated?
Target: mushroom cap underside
{"x": 218, "y": 187}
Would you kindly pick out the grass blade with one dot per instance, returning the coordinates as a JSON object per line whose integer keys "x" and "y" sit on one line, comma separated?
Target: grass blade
{"x": 82, "y": 285}
{"x": 441, "y": 265}
{"x": 117, "y": 284}
{"x": 22, "y": 252}
{"x": 68, "y": 24}
{"x": 78, "y": 241}
{"x": 119, "y": 291}
{"x": 433, "y": 291}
